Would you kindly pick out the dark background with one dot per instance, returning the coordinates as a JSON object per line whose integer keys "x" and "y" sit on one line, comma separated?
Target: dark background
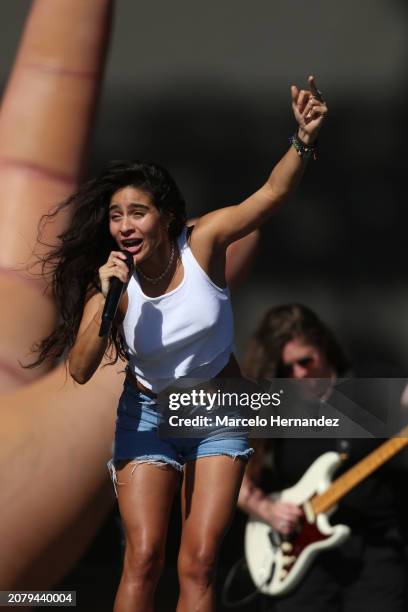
{"x": 203, "y": 88}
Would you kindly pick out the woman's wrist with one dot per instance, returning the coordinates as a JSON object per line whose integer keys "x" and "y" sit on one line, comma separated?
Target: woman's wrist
{"x": 307, "y": 139}
{"x": 305, "y": 150}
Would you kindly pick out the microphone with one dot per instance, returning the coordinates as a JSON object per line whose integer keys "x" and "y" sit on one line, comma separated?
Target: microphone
{"x": 113, "y": 298}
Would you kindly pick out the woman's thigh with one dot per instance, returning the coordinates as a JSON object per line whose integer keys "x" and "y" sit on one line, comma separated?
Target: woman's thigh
{"x": 145, "y": 496}
{"x": 209, "y": 495}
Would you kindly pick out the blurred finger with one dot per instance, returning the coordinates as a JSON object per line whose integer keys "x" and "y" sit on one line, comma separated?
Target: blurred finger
{"x": 290, "y": 507}
{"x": 314, "y": 114}
{"x": 295, "y": 515}
{"x": 313, "y": 88}
{"x": 303, "y": 99}
{"x": 311, "y": 114}
{"x": 120, "y": 274}
{"x": 286, "y": 527}
{"x": 300, "y": 99}
{"x": 294, "y": 93}
{"x": 314, "y": 109}
{"x": 308, "y": 108}
{"x": 288, "y": 518}
{"x": 117, "y": 255}
{"x": 118, "y": 261}
{"x": 318, "y": 111}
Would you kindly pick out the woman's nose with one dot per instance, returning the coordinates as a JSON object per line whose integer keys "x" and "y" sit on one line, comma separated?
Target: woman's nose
{"x": 125, "y": 224}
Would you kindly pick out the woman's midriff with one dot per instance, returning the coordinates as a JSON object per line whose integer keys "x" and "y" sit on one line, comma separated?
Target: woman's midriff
{"x": 231, "y": 370}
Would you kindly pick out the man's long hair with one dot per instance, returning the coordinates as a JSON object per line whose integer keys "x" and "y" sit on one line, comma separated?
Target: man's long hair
{"x": 263, "y": 359}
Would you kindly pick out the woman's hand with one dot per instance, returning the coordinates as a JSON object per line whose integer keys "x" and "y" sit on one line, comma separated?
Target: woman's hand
{"x": 216, "y": 230}
{"x": 115, "y": 266}
{"x": 309, "y": 109}
{"x": 282, "y": 516}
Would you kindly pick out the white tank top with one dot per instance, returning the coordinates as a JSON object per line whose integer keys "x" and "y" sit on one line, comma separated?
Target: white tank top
{"x": 187, "y": 332}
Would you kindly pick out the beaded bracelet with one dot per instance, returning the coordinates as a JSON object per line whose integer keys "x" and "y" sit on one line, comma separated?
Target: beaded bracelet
{"x": 305, "y": 151}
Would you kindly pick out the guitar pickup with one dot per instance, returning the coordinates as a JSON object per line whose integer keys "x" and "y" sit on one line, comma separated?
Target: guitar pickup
{"x": 308, "y": 511}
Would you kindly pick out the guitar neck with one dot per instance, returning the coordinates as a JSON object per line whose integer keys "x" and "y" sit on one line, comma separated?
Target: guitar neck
{"x": 344, "y": 483}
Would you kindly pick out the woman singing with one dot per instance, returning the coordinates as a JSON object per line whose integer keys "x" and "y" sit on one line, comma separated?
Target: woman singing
{"x": 174, "y": 320}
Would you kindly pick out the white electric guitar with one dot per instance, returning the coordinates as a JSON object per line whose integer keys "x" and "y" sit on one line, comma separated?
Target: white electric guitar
{"x": 277, "y": 563}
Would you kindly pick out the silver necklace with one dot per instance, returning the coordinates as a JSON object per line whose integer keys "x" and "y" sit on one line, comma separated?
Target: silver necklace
{"x": 155, "y": 279}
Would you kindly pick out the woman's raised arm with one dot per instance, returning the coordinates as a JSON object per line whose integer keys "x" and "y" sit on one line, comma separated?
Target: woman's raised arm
{"x": 228, "y": 224}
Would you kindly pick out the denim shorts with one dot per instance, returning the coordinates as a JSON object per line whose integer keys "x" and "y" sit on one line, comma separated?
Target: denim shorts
{"x": 136, "y": 437}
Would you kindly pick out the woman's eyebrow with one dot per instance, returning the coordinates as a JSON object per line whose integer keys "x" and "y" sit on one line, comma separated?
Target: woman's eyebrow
{"x": 129, "y": 206}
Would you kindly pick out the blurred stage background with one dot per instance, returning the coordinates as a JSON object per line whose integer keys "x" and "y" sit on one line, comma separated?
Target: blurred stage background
{"x": 203, "y": 88}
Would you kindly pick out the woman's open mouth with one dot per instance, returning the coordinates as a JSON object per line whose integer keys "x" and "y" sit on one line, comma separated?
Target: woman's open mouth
{"x": 133, "y": 245}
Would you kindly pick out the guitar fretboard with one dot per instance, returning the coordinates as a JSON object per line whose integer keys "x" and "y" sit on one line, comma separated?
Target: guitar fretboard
{"x": 344, "y": 483}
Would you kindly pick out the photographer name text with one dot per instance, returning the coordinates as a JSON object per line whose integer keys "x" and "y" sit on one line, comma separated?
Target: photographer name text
{"x": 256, "y": 421}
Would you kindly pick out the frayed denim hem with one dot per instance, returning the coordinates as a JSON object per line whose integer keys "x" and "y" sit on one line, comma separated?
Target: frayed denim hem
{"x": 245, "y": 455}
{"x": 157, "y": 460}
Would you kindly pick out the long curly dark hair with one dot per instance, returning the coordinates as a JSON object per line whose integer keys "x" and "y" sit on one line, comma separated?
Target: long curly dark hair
{"x": 263, "y": 359}
{"x": 84, "y": 247}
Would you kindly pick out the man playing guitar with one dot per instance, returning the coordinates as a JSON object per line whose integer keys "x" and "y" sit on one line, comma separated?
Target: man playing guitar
{"x": 367, "y": 571}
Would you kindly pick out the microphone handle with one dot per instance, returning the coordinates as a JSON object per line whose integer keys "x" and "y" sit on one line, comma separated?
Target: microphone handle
{"x": 111, "y": 305}
{"x": 113, "y": 298}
